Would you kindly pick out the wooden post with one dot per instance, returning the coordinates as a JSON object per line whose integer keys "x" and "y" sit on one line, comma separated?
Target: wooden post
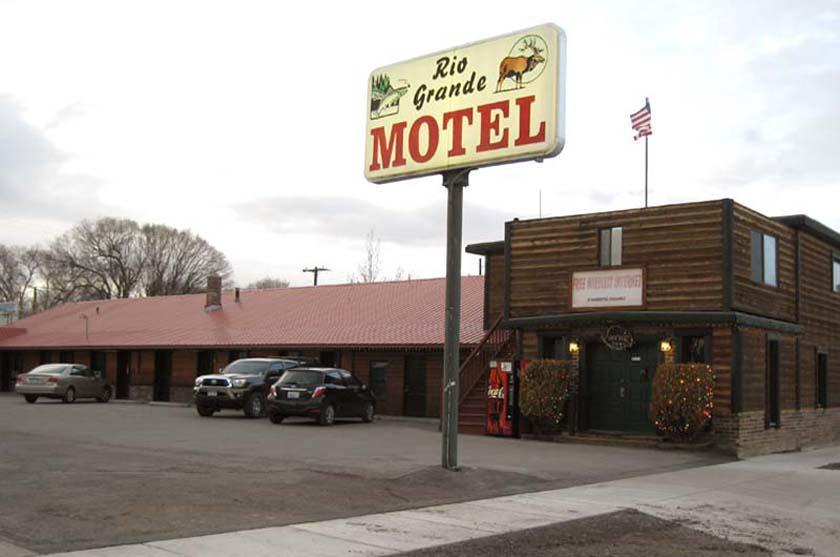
{"x": 454, "y": 182}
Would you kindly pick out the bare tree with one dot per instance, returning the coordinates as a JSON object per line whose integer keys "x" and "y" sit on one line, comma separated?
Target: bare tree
{"x": 269, "y": 282}
{"x": 178, "y": 261}
{"x": 18, "y": 269}
{"x": 104, "y": 258}
{"x": 117, "y": 258}
{"x": 371, "y": 265}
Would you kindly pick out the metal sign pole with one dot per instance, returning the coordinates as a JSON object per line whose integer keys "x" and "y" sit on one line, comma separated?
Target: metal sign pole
{"x": 454, "y": 182}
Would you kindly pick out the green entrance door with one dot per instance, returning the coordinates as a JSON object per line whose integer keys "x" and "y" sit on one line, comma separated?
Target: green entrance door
{"x": 619, "y": 387}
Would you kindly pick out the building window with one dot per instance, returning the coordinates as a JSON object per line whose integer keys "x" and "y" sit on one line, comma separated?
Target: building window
{"x": 763, "y": 258}
{"x": 772, "y": 414}
{"x": 835, "y": 273}
{"x": 694, "y": 350}
{"x": 46, "y": 357}
{"x": 822, "y": 380}
{"x": 610, "y": 247}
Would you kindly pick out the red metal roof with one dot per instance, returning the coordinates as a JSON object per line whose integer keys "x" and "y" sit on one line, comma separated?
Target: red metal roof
{"x": 383, "y": 314}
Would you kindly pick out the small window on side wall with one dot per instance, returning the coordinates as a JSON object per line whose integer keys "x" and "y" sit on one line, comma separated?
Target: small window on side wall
{"x": 835, "y": 272}
{"x": 763, "y": 265}
{"x": 694, "y": 349}
{"x": 610, "y": 246}
{"x": 822, "y": 380}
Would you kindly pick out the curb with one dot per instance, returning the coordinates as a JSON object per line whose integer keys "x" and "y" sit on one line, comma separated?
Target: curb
{"x": 410, "y": 419}
{"x": 151, "y": 403}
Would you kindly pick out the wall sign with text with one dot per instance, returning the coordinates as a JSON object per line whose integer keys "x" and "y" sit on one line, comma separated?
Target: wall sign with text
{"x": 496, "y": 101}
{"x": 612, "y": 288}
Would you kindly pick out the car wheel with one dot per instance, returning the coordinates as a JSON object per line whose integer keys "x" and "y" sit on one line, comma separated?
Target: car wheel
{"x": 327, "y": 416}
{"x": 367, "y": 417}
{"x": 276, "y": 418}
{"x": 105, "y": 396}
{"x": 255, "y": 406}
{"x": 69, "y": 395}
{"x": 31, "y": 398}
{"x": 204, "y": 411}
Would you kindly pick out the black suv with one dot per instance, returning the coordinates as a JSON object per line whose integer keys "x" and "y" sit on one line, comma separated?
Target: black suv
{"x": 242, "y": 385}
{"x": 323, "y": 393}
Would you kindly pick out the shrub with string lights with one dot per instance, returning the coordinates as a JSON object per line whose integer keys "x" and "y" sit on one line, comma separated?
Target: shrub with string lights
{"x": 544, "y": 388}
{"x": 681, "y": 399}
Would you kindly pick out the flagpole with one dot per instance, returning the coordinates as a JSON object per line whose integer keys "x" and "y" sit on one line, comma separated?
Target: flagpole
{"x": 646, "y": 172}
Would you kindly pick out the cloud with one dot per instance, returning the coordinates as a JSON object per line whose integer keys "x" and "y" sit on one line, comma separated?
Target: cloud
{"x": 343, "y": 217}
{"x": 794, "y": 136}
{"x": 33, "y": 179}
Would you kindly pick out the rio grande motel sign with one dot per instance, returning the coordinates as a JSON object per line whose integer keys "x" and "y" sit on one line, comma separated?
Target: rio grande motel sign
{"x": 492, "y": 102}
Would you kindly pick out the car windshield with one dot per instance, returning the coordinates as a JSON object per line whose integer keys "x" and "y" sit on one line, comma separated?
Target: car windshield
{"x": 245, "y": 367}
{"x": 302, "y": 378}
{"x": 50, "y": 369}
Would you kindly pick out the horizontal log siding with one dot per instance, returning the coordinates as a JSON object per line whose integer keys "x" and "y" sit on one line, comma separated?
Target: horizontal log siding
{"x": 754, "y": 369}
{"x": 495, "y": 285}
{"x": 820, "y": 317}
{"x": 681, "y": 247}
{"x": 778, "y": 302}
{"x": 722, "y": 346}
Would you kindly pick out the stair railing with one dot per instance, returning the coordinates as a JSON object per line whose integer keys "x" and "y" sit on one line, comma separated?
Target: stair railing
{"x": 494, "y": 342}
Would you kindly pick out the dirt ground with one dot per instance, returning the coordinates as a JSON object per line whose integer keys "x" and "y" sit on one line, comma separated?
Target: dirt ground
{"x": 627, "y": 534}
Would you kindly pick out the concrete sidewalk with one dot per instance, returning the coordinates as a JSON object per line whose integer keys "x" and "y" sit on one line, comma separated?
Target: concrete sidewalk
{"x": 784, "y": 502}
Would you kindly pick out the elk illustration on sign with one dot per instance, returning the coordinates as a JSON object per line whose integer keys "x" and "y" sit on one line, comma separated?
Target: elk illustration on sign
{"x": 514, "y": 66}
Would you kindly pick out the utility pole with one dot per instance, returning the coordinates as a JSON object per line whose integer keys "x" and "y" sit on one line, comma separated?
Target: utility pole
{"x": 315, "y": 270}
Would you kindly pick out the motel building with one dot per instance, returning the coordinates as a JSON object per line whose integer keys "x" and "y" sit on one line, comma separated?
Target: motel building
{"x": 616, "y": 294}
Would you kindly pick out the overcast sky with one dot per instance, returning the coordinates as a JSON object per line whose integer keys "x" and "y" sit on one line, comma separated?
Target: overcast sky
{"x": 244, "y": 121}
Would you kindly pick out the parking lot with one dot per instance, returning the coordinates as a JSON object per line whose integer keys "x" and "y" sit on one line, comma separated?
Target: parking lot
{"x": 89, "y": 475}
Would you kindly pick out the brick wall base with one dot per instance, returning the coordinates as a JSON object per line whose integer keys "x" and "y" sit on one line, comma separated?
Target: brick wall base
{"x": 744, "y": 434}
{"x": 180, "y": 394}
{"x": 140, "y": 392}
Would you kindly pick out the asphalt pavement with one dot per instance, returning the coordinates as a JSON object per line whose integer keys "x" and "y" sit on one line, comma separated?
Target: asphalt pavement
{"x": 91, "y": 475}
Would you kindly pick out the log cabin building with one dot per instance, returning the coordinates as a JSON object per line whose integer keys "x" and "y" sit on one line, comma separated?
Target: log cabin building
{"x": 390, "y": 334}
{"x": 618, "y": 293}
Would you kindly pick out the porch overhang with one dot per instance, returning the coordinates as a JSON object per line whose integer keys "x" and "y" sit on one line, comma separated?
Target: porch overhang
{"x": 658, "y": 317}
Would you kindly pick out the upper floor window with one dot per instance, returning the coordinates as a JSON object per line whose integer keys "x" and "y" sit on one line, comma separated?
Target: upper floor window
{"x": 763, "y": 258}
{"x": 835, "y": 265}
{"x": 610, "y": 248}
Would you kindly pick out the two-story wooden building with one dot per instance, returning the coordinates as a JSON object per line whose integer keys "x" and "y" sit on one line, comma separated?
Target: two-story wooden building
{"x": 620, "y": 292}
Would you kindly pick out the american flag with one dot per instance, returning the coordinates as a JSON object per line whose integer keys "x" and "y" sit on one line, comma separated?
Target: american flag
{"x": 641, "y": 122}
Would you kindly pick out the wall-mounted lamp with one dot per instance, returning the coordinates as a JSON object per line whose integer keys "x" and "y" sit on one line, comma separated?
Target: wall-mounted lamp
{"x": 665, "y": 345}
{"x": 574, "y": 347}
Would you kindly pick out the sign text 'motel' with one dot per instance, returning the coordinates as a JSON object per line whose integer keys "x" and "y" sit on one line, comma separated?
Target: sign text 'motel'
{"x": 491, "y": 102}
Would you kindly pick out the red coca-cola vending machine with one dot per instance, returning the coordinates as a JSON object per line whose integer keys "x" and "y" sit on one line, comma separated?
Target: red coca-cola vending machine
{"x": 500, "y": 398}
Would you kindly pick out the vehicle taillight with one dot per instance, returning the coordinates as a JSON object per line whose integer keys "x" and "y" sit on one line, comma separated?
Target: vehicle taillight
{"x": 318, "y": 392}
{"x": 272, "y": 392}
{"x": 20, "y": 379}
{"x": 52, "y": 379}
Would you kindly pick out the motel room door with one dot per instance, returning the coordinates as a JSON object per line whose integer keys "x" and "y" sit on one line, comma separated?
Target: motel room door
{"x": 163, "y": 375}
{"x": 415, "y": 386}
{"x": 619, "y": 387}
{"x": 123, "y": 374}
